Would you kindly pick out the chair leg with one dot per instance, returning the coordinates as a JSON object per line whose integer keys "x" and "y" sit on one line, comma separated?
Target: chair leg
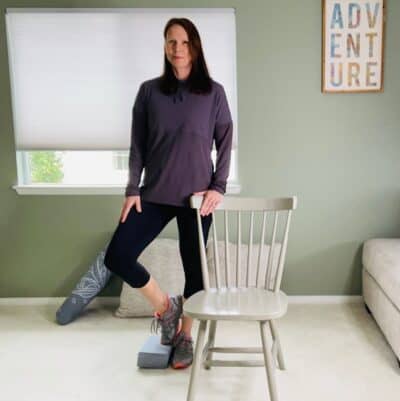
{"x": 275, "y": 336}
{"x": 196, "y": 360}
{"x": 269, "y": 363}
{"x": 211, "y": 340}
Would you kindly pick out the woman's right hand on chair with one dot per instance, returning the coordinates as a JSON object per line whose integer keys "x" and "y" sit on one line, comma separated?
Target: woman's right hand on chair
{"x": 128, "y": 203}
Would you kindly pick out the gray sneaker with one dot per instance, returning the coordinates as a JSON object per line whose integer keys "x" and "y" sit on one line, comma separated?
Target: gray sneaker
{"x": 169, "y": 321}
{"x": 183, "y": 351}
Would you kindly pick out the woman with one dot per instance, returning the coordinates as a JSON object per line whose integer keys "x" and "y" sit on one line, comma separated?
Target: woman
{"x": 176, "y": 118}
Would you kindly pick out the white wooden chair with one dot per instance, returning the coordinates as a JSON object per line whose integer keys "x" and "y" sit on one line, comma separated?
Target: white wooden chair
{"x": 263, "y": 302}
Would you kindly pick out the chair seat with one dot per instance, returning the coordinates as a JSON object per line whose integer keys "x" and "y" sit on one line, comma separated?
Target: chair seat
{"x": 236, "y": 304}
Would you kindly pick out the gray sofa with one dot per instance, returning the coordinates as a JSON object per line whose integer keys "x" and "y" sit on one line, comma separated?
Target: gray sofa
{"x": 381, "y": 287}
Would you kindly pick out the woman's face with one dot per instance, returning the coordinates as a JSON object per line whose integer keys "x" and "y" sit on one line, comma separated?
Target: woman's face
{"x": 177, "y": 48}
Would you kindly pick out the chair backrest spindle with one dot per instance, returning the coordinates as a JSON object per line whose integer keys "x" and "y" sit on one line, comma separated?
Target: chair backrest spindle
{"x": 270, "y": 278}
{"x": 227, "y": 272}
{"x": 249, "y": 252}
{"x": 278, "y": 278}
{"x": 216, "y": 253}
{"x": 261, "y": 248}
{"x": 203, "y": 257}
{"x": 238, "y": 246}
{"x": 271, "y": 253}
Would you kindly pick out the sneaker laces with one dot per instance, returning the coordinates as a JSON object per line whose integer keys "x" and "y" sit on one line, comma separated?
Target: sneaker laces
{"x": 155, "y": 324}
{"x": 157, "y": 319}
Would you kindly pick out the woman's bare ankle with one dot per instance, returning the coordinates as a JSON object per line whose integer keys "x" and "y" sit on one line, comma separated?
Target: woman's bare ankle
{"x": 163, "y": 306}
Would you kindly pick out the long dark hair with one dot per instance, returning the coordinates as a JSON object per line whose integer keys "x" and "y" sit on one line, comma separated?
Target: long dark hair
{"x": 199, "y": 80}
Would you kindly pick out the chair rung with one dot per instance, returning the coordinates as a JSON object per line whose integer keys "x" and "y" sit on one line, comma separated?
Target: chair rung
{"x": 251, "y": 364}
{"x": 237, "y": 350}
{"x": 206, "y": 349}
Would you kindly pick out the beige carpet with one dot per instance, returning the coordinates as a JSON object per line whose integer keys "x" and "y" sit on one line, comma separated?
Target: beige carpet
{"x": 333, "y": 352}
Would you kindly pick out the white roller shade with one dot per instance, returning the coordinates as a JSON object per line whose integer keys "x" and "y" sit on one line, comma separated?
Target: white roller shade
{"x": 75, "y": 72}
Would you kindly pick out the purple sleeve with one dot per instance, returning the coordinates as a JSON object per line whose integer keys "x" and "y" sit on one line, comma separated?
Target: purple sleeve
{"x": 223, "y": 143}
{"x": 138, "y": 143}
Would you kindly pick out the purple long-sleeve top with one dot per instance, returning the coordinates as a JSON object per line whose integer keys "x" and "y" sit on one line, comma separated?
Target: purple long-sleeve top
{"x": 172, "y": 138}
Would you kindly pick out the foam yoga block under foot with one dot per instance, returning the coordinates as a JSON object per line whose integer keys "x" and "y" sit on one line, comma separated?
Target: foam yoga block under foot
{"x": 87, "y": 288}
{"x": 154, "y": 355}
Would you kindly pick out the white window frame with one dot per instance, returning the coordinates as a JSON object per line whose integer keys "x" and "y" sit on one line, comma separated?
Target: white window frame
{"x": 25, "y": 187}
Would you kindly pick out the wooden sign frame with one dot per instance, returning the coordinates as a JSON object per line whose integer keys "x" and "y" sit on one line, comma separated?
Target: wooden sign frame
{"x": 353, "y": 41}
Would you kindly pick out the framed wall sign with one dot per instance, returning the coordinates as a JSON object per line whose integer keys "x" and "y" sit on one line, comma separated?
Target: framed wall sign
{"x": 352, "y": 45}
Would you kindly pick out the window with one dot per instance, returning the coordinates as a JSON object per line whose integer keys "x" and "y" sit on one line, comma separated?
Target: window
{"x": 84, "y": 168}
{"x": 121, "y": 160}
{"x": 74, "y": 75}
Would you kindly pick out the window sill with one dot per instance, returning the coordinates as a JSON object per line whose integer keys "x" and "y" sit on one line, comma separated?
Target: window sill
{"x": 52, "y": 189}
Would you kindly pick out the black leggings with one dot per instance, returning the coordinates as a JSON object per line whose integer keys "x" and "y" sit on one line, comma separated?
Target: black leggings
{"x": 132, "y": 237}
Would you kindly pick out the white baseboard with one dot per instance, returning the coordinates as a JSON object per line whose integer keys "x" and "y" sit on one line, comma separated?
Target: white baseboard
{"x": 114, "y": 301}
{"x": 325, "y": 299}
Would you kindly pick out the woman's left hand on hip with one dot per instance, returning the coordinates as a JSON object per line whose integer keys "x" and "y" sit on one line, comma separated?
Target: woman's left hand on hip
{"x": 211, "y": 200}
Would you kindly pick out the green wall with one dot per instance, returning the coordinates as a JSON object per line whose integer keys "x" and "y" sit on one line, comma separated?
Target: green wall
{"x": 338, "y": 153}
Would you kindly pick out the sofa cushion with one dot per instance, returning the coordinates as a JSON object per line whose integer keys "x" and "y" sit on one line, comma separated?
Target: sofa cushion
{"x": 381, "y": 259}
{"x": 244, "y": 248}
{"x": 162, "y": 260}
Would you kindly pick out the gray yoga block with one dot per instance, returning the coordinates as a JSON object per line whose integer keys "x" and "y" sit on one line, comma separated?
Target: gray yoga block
{"x": 154, "y": 355}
